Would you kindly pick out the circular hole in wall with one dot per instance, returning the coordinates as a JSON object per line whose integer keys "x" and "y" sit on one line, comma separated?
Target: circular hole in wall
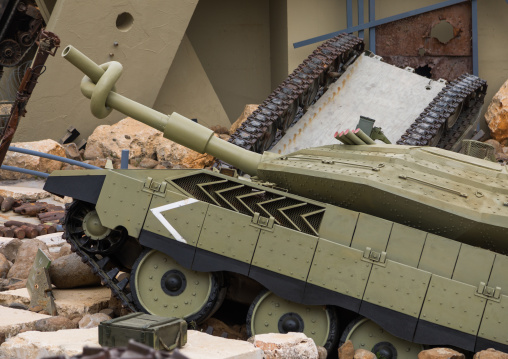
{"x": 124, "y": 21}
{"x": 443, "y": 31}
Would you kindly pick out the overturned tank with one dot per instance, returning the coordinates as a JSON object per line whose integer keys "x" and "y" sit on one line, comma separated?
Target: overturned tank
{"x": 402, "y": 246}
{"x": 339, "y": 82}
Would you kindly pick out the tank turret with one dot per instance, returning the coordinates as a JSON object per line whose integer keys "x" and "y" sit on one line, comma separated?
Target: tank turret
{"x": 410, "y": 239}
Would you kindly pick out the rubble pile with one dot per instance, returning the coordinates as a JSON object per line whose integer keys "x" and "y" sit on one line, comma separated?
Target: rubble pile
{"x": 497, "y": 120}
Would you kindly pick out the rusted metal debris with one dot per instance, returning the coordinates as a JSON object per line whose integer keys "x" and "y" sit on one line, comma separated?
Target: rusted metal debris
{"x": 48, "y": 44}
{"x": 413, "y": 42}
{"x": 134, "y": 350}
{"x": 21, "y": 23}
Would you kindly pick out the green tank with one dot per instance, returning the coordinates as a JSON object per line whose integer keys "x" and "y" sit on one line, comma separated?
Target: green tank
{"x": 394, "y": 247}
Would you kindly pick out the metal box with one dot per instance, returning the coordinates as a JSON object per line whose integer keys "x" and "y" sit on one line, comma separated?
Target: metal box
{"x": 160, "y": 333}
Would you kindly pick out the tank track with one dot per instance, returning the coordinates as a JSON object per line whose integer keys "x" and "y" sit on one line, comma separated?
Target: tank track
{"x": 463, "y": 98}
{"x": 103, "y": 266}
{"x": 301, "y": 89}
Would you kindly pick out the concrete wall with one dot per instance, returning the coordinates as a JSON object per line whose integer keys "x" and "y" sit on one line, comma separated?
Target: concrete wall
{"x": 188, "y": 91}
{"x": 146, "y": 48}
{"x": 232, "y": 40}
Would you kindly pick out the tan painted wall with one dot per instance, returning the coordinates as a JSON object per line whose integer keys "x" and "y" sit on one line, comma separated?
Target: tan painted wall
{"x": 146, "y": 51}
{"x": 232, "y": 40}
{"x": 278, "y": 41}
{"x": 188, "y": 91}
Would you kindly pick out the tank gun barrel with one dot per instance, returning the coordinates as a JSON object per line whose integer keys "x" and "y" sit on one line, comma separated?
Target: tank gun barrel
{"x": 99, "y": 86}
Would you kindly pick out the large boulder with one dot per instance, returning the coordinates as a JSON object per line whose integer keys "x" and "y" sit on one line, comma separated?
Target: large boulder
{"x": 33, "y": 162}
{"x": 142, "y": 141}
{"x": 286, "y": 346}
{"x": 497, "y": 114}
{"x": 25, "y": 258}
{"x": 69, "y": 272}
{"x": 128, "y": 134}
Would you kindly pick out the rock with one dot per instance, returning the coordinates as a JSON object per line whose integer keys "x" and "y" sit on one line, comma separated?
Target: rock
{"x": 76, "y": 321}
{"x": 69, "y": 272}
{"x": 2, "y": 338}
{"x": 143, "y": 142}
{"x": 247, "y": 111}
{"x": 364, "y": 354}
{"x": 98, "y": 162}
{"x": 5, "y": 265}
{"x": 148, "y": 163}
{"x": 53, "y": 324}
{"x": 497, "y": 146}
{"x": 179, "y": 155}
{"x": 110, "y": 312}
{"x": 16, "y": 284}
{"x": 15, "y": 320}
{"x": 322, "y": 352}
{"x": 64, "y": 343}
{"x": 490, "y": 354}
{"x": 347, "y": 350}
{"x": 109, "y": 141}
{"x": 497, "y": 114}
{"x": 287, "y": 346}
{"x": 10, "y": 249}
{"x": 440, "y": 353}
{"x": 25, "y": 258}
{"x": 65, "y": 250}
{"x": 202, "y": 345}
{"x": 219, "y": 328}
{"x": 220, "y": 130}
{"x": 22, "y": 307}
{"x": 92, "y": 320}
{"x": 33, "y": 162}
{"x": 72, "y": 152}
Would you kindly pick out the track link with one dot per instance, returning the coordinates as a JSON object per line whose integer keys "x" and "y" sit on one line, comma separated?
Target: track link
{"x": 462, "y": 97}
{"x": 301, "y": 89}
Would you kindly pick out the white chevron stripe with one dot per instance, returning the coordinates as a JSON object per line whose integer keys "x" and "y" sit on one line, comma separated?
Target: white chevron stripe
{"x": 157, "y": 212}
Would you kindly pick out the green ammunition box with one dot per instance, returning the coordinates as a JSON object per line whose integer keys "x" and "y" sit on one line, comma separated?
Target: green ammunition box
{"x": 160, "y": 333}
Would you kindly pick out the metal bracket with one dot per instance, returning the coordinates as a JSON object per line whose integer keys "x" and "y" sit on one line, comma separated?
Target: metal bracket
{"x": 489, "y": 293}
{"x": 155, "y": 188}
{"x": 374, "y": 257}
{"x": 261, "y": 222}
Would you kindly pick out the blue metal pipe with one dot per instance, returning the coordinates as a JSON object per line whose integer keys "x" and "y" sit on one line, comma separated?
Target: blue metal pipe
{"x": 24, "y": 170}
{"x": 360, "y": 17}
{"x": 474, "y": 40}
{"x": 372, "y": 30}
{"x": 374, "y": 23}
{"x": 52, "y": 157}
{"x": 124, "y": 162}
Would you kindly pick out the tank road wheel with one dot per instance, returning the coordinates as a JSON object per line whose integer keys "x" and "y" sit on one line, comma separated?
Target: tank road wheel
{"x": 269, "y": 313}
{"x": 85, "y": 230}
{"x": 160, "y": 286}
{"x": 365, "y": 334}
